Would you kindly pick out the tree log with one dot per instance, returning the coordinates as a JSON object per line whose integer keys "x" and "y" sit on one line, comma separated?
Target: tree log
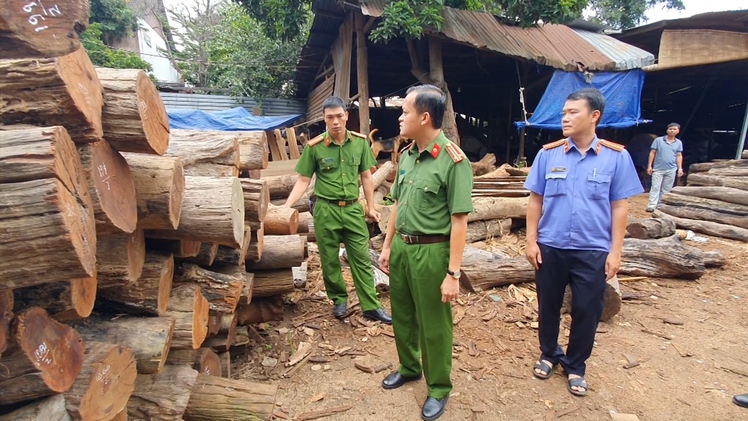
{"x": 379, "y": 177}
{"x": 122, "y": 416}
{"x": 231, "y": 256}
{"x": 725, "y": 194}
{"x": 660, "y": 258}
{"x": 220, "y": 289}
{"x": 488, "y": 208}
{"x": 273, "y": 282}
{"x": 190, "y": 311}
{"x": 214, "y": 323}
{"x": 280, "y": 186}
{"x": 225, "y": 358}
{"x": 206, "y": 255}
{"x": 44, "y": 357}
{"x": 705, "y": 210}
{"x": 256, "y": 244}
{"x": 706, "y": 166}
{"x": 62, "y": 91}
{"x": 134, "y": 115}
{"x": 46, "y": 231}
{"x": 304, "y": 222}
{"x": 280, "y": 220}
{"x": 729, "y": 172}
{"x": 179, "y": 248}
{"x": 6, "y": 316}
{"x": 111, "y": 186}
{"x": 212, "y": 211}
{"x": 149, "y": 294}
{"x": 611, "y": 296}
{"x": 301, "y": 205}
{"x": 162, "y": 396}
{"x": 650, "y": 228}
{"x": 482, "y": 270}
{"x": 63, "y": 300}
{"x": 260, "y": 310}
{"x": 159, "y": 190}
{"x": 149, "y": 338}
{"x": 710, "y": 180}
{"x": 256, "y": 199}
{"x": 204, "y": 360}
{"x": 217, "y": 398}
{"x": 104, "y": 384}
{"x": 481, "y": 230}
{"x": 253, "y": 150}
{"x": 46, "y": 409}
{"x": 247, "y": 291}
{"x": 706, "y": 227}
{"x": 280, "y": 252}
{"x": 205, "y": 152}
{"x": 120, "y": 256}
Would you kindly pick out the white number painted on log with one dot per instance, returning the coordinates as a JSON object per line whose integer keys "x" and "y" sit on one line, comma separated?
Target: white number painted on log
{"x": 53, "y": 11}
{"x": 143, "y": 106}
{"x": 86, "y": 95}
{"x": 104, "y": 175}
{"x": 101, "y": 376}
{"x": 41, "y": 354}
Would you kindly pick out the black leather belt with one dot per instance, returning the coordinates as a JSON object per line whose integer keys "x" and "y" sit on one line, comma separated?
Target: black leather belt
{"x": 341, "y": 203}
{"x": 422, "y": 239}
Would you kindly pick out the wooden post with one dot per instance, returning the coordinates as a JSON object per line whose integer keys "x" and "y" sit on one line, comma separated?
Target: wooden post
{"x": 362, "y": 71}
{"x": 281, "y": 145}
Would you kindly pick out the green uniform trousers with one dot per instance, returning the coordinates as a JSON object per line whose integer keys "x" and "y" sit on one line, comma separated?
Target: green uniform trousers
{"x": 332, "y": 224}
{"x": 422, "y": 323}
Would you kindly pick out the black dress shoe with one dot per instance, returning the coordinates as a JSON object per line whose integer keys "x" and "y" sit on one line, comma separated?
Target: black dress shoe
{"x": 339, "y": 310}
{"x": 740, "y": 400}
{"x": 395, "y": 380}
{"x": 378, "y": 315}
{"x": 433, "y": 408}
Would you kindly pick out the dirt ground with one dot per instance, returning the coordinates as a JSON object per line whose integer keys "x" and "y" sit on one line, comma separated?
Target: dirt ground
{"x": 690, "y": 376}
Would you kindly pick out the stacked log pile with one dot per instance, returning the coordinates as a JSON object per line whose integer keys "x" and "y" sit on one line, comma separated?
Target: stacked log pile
{"x": 714, "y": 201}
{"x": 103, "y": 313}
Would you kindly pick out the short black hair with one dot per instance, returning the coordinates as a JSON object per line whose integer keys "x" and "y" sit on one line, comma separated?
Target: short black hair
{"x": 333, "y": 102}
{"x": 673, "y": 125}
{"x": 594, "y": 98}
{"x": 431, "y": 99}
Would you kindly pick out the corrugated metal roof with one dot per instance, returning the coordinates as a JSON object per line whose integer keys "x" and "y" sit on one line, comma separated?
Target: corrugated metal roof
{"x": 270, "y": 106}
{"x": 625, "y": 56}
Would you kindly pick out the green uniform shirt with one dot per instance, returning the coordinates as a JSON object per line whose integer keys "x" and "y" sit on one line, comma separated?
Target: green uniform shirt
{"x": 430, "y": 187}
{"x": 337, "y": 166}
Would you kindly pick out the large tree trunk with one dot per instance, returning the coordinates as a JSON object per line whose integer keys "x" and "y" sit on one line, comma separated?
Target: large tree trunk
{"x": 280, "y": 252}
{"x": 650, "y": 228}
{"x": 50, "y": 236}
{"x": 705, "y": 209}
{"x": 24, "y": 32}
{"x": 481, "y": 230}
{"x": 212, "y": 211}
{"x": 217, "y": 399}
{"x": 706, "y": 166}
{"x": 62, "y": 91}
{"x": 488, "y": 208}
{"x": 253, "y": 150}
{"x": 44, "y": 357}
{"x": 706, "y": 227}
{"x": 120, "y": 257}
{"x": 189, "y": 309}
{"x": 162, "y": 396}
{"x": 206, "y": 152}
{"x": 482, "y": 270}
{"x": 273, "y": 282}
{"x": 159, "y": 190}
{"x": 256, "y": 199}
{"x": 281, "y": 220}
{"x": 63, "y": 300}
{"x": 710, "y": 180}
{"x": 111, "y": 186}
{"x": 220, "y": 289}
{"x": 729, "y": 172}
{"x": 204, "y": 360}
{"x": 725, "y": 194}
{"x": 149, "y": 294}
{"x": 46, "y": 409}
{"x": 148, "y": 337}
{"x": 260, "y": 310}
{"x": 660, "y": 258}
{"x": 6, "y": 316}
{"x": 104, "y": 384}
{"x": 134, "y": 116}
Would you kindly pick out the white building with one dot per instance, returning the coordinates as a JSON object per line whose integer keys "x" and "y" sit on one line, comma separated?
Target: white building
{"x": 150, "y": 47}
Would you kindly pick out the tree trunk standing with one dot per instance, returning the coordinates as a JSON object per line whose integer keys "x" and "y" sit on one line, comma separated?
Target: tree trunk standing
{"x": 63, "y": 300}
{"x": 280, "y": 252}
{"x": 46, "y": 409}
{"x": 206, "y": 152}
{"x": 362, "y": 69}
{"x": 253, "y": 150}
{"x": 6, "y": 316}
{"x": 44, "y": 227}
{"x": 120, "y": 257}
{"x": 111, "y": 186}
{"x": 63, "y": 91}
{"x": 706, "y": 227}
{"x": 221, "y": 290}
{"x": 436, "y": 66}
{"x": 104, "y": 384}
{"x": 190, "y": 311}
{"x": 217, "y": 399}
{"x": 281, "y": 220}
{"x": 159, "y": 189}
{"x": 149, "y": 294}
{"x": 149, "y": 338}
{"x": 134, "y": 115}
{"x": 162, "y": 396}
{"x": 44, "y": 357}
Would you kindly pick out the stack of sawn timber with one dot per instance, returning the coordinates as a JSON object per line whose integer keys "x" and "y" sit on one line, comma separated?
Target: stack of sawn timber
{"x": 104, "y": 207}
{"x": 714, "y": 201}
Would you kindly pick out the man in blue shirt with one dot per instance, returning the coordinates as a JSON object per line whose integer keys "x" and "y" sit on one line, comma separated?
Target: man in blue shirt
{"x": 665, "y": 159}
{"x": 576, "y": 221}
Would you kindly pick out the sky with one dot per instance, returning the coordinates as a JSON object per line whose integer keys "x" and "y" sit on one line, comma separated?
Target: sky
{"x": 694, "y": 7}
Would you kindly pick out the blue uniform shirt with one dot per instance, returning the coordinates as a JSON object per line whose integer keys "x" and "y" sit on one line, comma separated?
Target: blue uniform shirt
{"x": 577, "y": 191}
{"x": 665, "y": 158}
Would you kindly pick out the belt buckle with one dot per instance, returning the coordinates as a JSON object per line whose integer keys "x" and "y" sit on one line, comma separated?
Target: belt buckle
{"x": 409, "y": 239}
{"x": 342, "y": 203}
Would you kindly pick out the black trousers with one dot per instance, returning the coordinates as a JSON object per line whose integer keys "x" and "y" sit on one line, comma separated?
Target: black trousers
{"x": 584, "y": 271}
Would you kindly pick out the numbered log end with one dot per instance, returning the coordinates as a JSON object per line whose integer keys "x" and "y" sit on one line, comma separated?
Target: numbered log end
{"x": 281, "y": 220}
{"x": 159, "y": 189}
{"x": 149, "y": 294}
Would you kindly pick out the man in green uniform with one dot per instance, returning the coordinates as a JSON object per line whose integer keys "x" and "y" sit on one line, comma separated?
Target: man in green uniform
{"x": 424, "y": 245}
{"x": 339, "y": 157}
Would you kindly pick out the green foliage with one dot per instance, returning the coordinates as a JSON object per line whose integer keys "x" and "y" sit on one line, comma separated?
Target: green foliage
{"x": 624, "y": 14}
{"x": 103, "y": 56}
{"x": 115, "y": 18}
{"x": 280, "y": 19}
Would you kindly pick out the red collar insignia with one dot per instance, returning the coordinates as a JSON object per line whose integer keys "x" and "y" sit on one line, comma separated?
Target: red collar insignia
{"x": 435, "y": 150}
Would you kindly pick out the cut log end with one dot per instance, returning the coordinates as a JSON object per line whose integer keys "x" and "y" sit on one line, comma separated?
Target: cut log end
{"x": 43, "y": 38}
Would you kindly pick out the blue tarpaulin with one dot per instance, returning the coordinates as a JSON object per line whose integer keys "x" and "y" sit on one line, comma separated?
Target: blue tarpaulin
{"x": 622, "y": 91}
{"x": 234, "y": 119}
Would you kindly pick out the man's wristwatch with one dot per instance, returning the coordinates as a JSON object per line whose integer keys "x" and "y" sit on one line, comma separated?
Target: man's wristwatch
{"x": 456, "y": 274}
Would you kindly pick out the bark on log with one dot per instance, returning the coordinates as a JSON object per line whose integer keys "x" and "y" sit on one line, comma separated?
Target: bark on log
{"x": 706, "y": 227}
{"x": 273, "y": 282}
{"x": 24, "y": 32}
{"x": 280, "y": 220}
{"x": 705, "y": 210}
{"x": 650, "y": 228}
{"x": 189, "y": 309}
{"x": 63, "y": 300}
{"x": 379, "y": 177}
{"x": 712, "y": 258}
{"x": 611, "y": 296}
{"x": 104, "y": 384}
{"x": 212, "y": 211}
{"x": 253, "y": 150}
{"x": 46, "y": 409}
{"x": 217, "y": 399}
{"x": 111, "y": 186}
{"x": 62, "y": 91}
{"x": 159, "y": 190}
{"x": 149, "y": 338}
{"x": 179, "y": 248}
{"x": 304, "y": 222}
{"x": 122, "y": 416}
{"x": 47, "y": 230}
{"x": 280, "y": 186}
{"x": 247, "y": 291}
{"x": 256, "y": 200}
{"x": 6, "y": 316}
{"x": 488, "y": 208}
{"x": 710, "y": 180}
{"x": 149, "y": 294}
{"x": 220, "y": 289}
{"x": 481, "y": 230}
{"x": 205, "y": 152}
{"x": 120, "y": 256}
{"x": 260, "y": 310}
{"x": 482, "y": 270}
{"x": 225, "y": 358}
{"x": 729, "y": 172}
{"x": 204, "y": 360}
{"x": 301, "y": 205}
{"x": 162, "y": 396}
{"x": 206, "y": 255}
{"x": 725, "y": 194}
{"x": 706, "y": 166}
{"x": 256, "y": 244}
{"x": 231, "y": 256}
{"x": 214, "y": 323}
{"x": 134, "y": 115}
{"x": 44, "y": 357}
{"x": 280, "y": 252}
{"x": 660, "y": 258}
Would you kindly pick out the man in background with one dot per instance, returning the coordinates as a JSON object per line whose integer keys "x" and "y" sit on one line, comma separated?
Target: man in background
{"x": 665, "y": 161}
